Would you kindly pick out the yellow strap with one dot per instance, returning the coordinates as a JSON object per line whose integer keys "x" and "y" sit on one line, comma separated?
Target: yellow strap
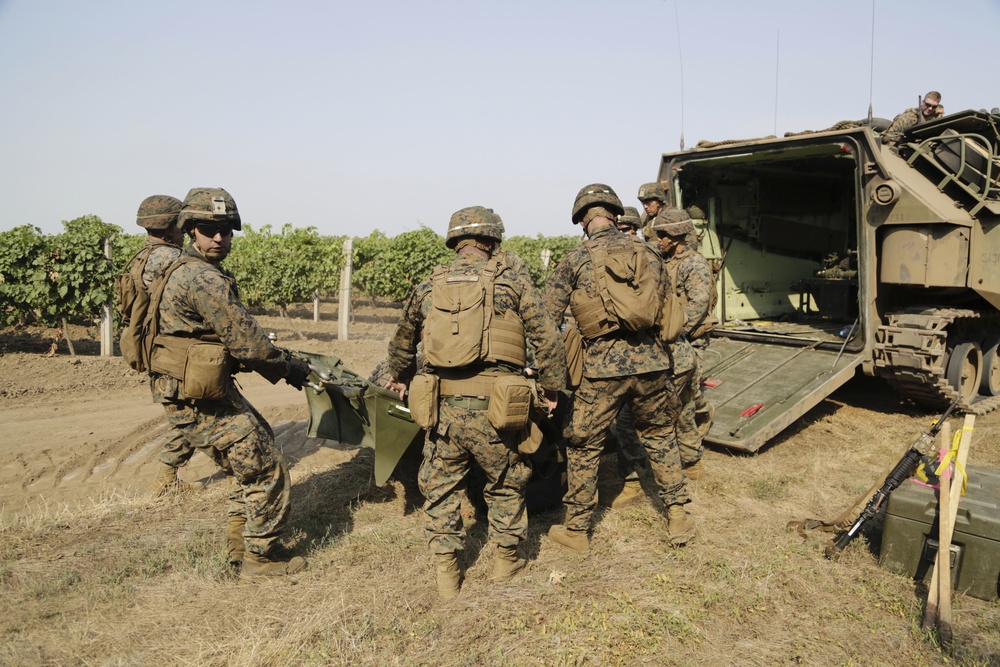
{"x": 952, "y": 457}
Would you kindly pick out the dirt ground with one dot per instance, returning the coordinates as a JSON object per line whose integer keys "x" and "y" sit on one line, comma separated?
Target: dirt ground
{"x": 81, "y": 430}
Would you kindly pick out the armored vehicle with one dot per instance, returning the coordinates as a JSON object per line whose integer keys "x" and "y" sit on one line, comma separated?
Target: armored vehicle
{"x": 837, "y": 253}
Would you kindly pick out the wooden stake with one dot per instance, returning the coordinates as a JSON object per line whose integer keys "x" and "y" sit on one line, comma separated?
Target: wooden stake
{"x": 931, "y": 610}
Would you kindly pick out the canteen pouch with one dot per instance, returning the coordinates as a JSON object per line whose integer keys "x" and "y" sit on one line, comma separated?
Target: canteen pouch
{"x": 207, "y": 370}
{"x": 425, "y": 392}
{"x": 510, "y": 402}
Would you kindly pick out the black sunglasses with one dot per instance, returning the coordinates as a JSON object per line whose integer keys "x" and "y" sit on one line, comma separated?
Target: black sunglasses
{"x": 210, "y": 230}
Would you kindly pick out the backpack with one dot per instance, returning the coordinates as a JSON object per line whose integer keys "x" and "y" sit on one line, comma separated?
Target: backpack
{"x": 673, "y": 311}
{"x": 132, "y": 302}
{"x": 629, "y": 289}
{"x": 461, "y": 327}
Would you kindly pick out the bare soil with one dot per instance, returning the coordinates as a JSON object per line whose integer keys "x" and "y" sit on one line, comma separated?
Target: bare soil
{"x": 94, "y": 570}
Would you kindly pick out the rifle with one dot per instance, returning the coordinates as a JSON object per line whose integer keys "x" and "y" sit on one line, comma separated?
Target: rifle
{"x": 899, "y": 474}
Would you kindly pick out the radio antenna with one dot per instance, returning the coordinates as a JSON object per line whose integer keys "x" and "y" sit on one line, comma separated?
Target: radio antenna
{"x": 680, "y": 55}
{"x": 871, "y": 71}
{"x": 777, "y": 61}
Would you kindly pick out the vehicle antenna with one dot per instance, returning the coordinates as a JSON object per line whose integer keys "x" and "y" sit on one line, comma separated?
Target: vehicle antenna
{"x": 777, "y": 60}
{"x": 680, "y": 55}
{"x": 871, "y": 66}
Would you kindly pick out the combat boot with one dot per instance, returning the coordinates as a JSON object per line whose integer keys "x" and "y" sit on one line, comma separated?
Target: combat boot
{"x": 680, "y": 524}
{"x": 166, "y": 482}
{"x": 571, "y": 539}
{"x": 235, "y": 548}
{"x": 631, "y": 494}
{"x": 449, "y": 577}
{"x": 695, "y": 471}
{"x": 255, "y": 565}
{"x": 506, "y": 563}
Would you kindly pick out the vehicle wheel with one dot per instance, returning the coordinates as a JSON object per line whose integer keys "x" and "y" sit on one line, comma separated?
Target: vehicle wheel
{"x": 965, "y": 368}
{"x": 990, "y": 384}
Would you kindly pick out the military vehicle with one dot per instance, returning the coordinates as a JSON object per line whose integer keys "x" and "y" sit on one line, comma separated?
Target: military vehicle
{"x": 838, "y": 253}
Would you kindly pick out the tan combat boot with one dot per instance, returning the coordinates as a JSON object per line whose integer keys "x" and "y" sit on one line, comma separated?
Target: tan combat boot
{"x": 695, "y": 471}
{"x": 506, "y": 563}
{"x": 631, "y": 494}
{"x": 571, "y": 539}
{"x": 235, "y": 549}
{"x": 255, "y": 565}
{"x": 681, "y": 525}
{"x": 449, "y": 577}
{"x": 166, "y": 482}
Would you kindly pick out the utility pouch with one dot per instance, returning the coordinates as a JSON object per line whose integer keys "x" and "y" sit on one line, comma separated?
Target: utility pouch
{"x": 573, "y": 342}
{"x": 425, "y": 392}
{"x": 510, "y": 402}
{"x": 207, "y": 371}
{"x": 531, "y": 438}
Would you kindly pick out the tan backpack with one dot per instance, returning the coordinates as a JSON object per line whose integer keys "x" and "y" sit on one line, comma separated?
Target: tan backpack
{"x": 629, "y": 289}
{"x": 461, "y": 328}
{"x": 132, "y": 302}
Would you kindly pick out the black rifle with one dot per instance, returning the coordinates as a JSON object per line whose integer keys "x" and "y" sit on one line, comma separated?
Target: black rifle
{"x": 900, "y": 473}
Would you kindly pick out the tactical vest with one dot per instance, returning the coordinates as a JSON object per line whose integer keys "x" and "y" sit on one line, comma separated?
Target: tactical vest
{"x": 462, "y": 327}
{"x": 202, "y": 364}
{"x": 628, "y": 291}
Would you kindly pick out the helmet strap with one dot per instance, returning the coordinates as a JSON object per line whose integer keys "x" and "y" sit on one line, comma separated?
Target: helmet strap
{"x": 474, "y": 243}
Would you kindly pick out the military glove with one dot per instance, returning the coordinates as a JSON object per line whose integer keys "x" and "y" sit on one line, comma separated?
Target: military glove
{"x": 297, "y": 372}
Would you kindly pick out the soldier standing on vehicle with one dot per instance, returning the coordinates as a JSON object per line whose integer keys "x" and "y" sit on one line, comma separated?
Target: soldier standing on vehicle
{"x": 203, "y": 333}
{"x": 623, "y": 364}
{"x": 930, "y": 109}
{"x": 653, "y": 197}
{"x": 158, "y": 216}
{"x": 690, "y": 273}
{"x": 473, "y": 318}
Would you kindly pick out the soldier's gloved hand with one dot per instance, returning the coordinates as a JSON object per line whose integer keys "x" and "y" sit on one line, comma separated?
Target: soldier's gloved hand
{"x": 297, "y": 372}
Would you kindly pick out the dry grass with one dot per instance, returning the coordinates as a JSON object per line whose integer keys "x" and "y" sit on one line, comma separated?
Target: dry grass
{"x": 140, "y": 581}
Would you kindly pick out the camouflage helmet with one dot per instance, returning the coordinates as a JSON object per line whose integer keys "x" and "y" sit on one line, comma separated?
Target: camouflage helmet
{"x": 209, "y": 205}
{"x": 593, "y": 195}
{"x": 158, "y": 212}
{"x": 630, "y": 217}
{"x": 649, "y": 191}
{"x": 474, "y": 221}
{"x": 673, "y": 221}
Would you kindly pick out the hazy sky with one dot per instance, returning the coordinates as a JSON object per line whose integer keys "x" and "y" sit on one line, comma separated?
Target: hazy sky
{"x": 377, "y": 114}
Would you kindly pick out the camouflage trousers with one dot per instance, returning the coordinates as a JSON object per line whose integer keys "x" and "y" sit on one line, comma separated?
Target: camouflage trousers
{"x": 631, "y": 454}
{"x": 241, "y": 443}
{"x": 175, "y": 450}
{"x": 461, "y": 437}
{"x": 654, "y": 406}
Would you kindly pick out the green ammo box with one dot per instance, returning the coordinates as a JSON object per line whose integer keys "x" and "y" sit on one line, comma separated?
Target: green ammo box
{"x": 910, "y": 534}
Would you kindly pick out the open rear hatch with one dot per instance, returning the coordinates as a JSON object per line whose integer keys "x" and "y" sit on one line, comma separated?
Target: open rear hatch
{"x": 759, "y": 388}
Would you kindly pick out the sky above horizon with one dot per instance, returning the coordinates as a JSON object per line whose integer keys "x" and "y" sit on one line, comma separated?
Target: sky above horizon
{"x": 355, "y": 116}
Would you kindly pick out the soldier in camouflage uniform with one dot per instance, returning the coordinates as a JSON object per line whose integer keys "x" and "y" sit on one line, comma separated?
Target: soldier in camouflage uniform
{"x": 158, "y": 216}
{"x": 690, "y": 273}
{"x": 631, "y": 455}
{"x": 463, "y": 432}
{"x": 930, "y": 109}
{"x": 653, "y": 197}
{"x": 199, "y": 303}
{"x": 620, "y": 367}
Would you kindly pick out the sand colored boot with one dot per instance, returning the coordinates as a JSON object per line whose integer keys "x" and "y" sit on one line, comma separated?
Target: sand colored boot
{"x": 681, "y": 525}
{"x": 449, "y": 577}
{"x": 507, "y": 564}
{"x": 255, "y": 565}
{"x": 166, "y": 482}
{"x": 631, "y": 494}
{"x": 695, "y": 471}
{"x": 571, "y": 539}
{"x": 235, "y": 549}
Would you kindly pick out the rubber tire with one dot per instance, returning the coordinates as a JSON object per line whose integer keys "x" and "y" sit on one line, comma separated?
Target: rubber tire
{"x": 960, "y": 355}
{"x": 990, "y": 384}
